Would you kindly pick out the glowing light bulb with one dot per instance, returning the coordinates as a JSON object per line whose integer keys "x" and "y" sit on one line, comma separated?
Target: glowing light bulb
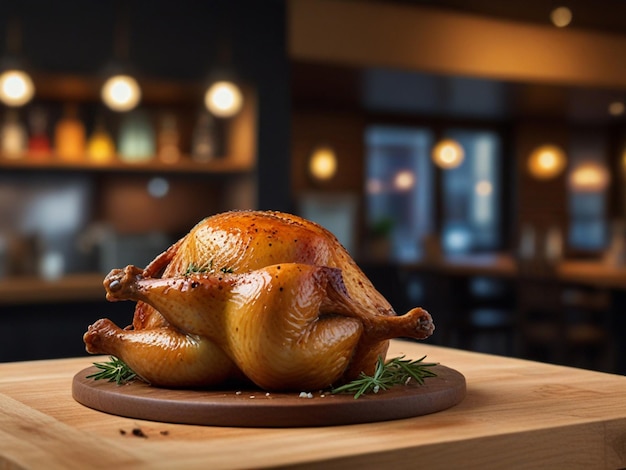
{"x": 589, "y": 176}
{"x": 546, "y": 161}
{"x": 121, "y": 93}
{"x": 16, "y": 88}
{"x": 448, "y": 154}
{"x": 323, "y": 163}
{"x": 223, "y": 99}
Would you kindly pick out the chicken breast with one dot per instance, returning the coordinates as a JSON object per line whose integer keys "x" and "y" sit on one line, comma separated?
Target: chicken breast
{"x": 262, "y": 296}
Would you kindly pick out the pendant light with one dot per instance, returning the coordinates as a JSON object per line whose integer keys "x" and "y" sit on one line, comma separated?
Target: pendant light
{"x": 323, "y": 163}
{"x": 546, "y": 162}
{"x": 16, "y": 86}
{"x": 589, "y": 177}
{"x": 121, "y": 91}
{"x": 448, "y": 154}
{"x": 223, "y": 97}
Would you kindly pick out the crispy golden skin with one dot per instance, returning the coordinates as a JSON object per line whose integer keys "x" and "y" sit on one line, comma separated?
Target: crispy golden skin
{"x": 265, "y": 296}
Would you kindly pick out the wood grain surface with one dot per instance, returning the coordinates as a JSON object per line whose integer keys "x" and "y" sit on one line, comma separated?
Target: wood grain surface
{"x": 516, "y": 414}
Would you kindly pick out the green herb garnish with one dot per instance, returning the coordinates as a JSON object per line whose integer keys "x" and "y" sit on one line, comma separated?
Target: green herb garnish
{"x": 194, "y": 269}
{"x": 115, "y": 370}
{"x": 208, "y": 268}
{"x": 397, "y": 371}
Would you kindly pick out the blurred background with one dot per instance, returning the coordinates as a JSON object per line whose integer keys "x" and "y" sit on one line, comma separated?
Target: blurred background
{"x": 470, "y": 156}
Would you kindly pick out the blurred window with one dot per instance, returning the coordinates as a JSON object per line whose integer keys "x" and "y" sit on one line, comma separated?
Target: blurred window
{"x": 400, "y": 187}
{"x": 471, "y": 194}
{"x": 588, "y": 228}
{"x": 587, "y": 198}
{"x": 400, "y": 197}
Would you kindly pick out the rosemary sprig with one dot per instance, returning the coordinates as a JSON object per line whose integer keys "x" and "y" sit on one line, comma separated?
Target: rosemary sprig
{"x": 207, "y": 268}
{"x": 115, "y": 370}
{"x": 194, "y": 268}
{"x": 397, "y": 371}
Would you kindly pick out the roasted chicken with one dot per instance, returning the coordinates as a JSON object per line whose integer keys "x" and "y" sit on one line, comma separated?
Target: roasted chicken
{"x": 249, "y": 295}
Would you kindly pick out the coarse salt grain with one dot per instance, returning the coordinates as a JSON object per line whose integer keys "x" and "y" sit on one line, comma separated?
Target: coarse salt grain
{"x": 305, "y": 395}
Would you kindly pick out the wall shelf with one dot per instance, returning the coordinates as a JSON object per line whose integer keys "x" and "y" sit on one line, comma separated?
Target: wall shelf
{"x": 239, "y": 132}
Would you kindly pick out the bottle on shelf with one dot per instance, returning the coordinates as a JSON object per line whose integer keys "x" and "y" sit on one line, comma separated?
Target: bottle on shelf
{"x": 204, "y": 145}
{"x": 136, "y": 138}
{"x": 168, "y": 139}
{"x": 14, "y": 138}
{"x": 39, "y": 146}
{"x": 69, "y": 136}
{"x": 100, "y": 145}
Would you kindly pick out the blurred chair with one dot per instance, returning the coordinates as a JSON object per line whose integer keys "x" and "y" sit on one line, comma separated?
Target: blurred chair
{"x": 482, "y": 315}
{"x": 565, "y": 324}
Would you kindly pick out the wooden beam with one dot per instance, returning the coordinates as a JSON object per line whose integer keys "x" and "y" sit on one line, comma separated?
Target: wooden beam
{"x": 376, "y": 34}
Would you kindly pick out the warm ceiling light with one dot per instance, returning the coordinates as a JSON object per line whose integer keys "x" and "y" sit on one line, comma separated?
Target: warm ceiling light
{"x": 448, "y": 154}
{"x": 590, "y": 177}
{"x": 323, "y": 163}
{"x": 16, "y": 88}
{"x": 223, "y": 99}
{"x": 561, "y": 17}
{"x": 546, "y": 162}
{"x": 121, "y": 93}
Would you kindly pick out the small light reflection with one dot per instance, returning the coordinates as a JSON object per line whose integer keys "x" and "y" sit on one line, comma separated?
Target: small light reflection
{"x": 616, "y": 108}
{"x": 561, "y": 17}
{"x": 457, "y": 239}
{"x": 375, "y": 186}
{"x": 158, "y": 187}
{"x": 483, "y": 188}
{"x": 404, "y": 180}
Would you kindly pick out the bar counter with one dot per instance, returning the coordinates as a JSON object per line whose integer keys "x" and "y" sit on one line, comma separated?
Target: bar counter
{"x": 515, "y": 413}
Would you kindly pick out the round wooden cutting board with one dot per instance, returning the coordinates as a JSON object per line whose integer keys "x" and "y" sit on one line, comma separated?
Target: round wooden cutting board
{"x": 256, "y": 408}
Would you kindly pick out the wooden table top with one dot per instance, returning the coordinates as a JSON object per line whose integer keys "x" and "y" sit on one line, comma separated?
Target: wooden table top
{"x": 515, "y": 411}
